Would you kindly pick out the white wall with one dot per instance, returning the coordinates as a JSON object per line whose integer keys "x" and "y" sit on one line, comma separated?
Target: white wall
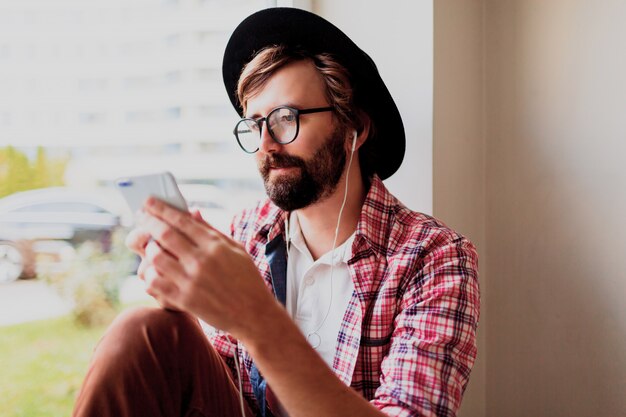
{"x": 459, "y": 151}
{"x": 556, "y": 193}
{"x": 532, "y": 94}
{"x": 399, "y": 39}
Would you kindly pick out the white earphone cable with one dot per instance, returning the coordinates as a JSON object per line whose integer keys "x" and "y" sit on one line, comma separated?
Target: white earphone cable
{"x": 332, "y": 264}
{"x": 236, "y": 357}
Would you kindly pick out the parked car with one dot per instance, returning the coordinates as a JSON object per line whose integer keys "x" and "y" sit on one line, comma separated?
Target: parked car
{"x": 48, "y": 224}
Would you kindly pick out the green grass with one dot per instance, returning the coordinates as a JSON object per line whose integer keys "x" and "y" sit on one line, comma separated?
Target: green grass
{"x": 43, "y": 363}
{"x": 42, "y": 366}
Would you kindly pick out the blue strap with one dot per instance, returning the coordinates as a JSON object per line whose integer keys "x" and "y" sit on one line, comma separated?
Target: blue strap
{"x": 276, "y": 254}
{"x": 258, "y": 387}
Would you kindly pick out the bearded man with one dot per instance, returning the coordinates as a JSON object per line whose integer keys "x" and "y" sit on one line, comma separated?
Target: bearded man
{"x": 330, "y": 298}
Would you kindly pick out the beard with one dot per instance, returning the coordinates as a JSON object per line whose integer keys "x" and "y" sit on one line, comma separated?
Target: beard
{"x": 314, "y": 179}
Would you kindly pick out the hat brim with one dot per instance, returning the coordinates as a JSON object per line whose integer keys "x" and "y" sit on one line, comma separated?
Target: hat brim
{"x": 293, "y": 27}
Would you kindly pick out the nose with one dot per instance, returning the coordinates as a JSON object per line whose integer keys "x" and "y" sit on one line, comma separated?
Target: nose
{"x": 267, "y": 144}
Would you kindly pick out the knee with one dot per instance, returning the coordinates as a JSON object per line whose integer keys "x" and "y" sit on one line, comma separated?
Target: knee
{"x": 154, "y": 319}
{"x": 147, "y": 328}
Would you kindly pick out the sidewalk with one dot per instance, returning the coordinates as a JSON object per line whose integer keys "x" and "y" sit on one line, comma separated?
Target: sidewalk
{"x": 24, "y": 301}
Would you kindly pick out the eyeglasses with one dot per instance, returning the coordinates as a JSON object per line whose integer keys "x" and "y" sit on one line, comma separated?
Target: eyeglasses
{"x": 283, "y": 125}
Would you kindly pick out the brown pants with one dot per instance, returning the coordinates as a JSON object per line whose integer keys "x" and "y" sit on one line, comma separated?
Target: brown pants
{"x": 153, "y": 362}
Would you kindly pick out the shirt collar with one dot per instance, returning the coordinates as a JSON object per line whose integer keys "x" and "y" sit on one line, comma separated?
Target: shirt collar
{"x": 270, "y": 221}
{"x": 342, "y": 252}
{"x": 373, "y": 230}
{"x": 294, "y": 233}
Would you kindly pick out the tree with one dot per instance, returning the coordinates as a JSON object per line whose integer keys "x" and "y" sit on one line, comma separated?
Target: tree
{"x": 18, "y": 173}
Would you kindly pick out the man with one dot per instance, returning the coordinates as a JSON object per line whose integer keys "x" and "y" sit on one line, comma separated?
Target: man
{"x": 336, "y": 299}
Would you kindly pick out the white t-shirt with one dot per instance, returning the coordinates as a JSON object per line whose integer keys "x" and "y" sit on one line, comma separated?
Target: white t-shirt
{"x": 309, "y": 290}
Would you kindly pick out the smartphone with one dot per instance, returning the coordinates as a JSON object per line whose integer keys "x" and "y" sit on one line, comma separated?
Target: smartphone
{"x": 162, "y": 185}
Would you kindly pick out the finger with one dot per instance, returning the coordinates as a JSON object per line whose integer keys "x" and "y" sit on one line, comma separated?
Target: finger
{"x": 136, "y": 240}
{"x": 164, "y": 262}
{"x": 168, "y": 237}
{"x": 195, "y": 213}
{"x": 151, "y": 248}
{"x": 159, "y": 287}
{"x": 141, "y": 269}
{"x": 196, "y": 231}
{"x": 150, "y": 275}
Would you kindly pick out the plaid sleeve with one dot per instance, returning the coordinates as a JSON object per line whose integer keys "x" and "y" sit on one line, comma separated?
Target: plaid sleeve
{"x": 433, "y": 344}
{"x": 225, "y": 345}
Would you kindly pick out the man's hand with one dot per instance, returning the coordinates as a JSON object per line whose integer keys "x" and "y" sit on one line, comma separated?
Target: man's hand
{"x": 190, "y": 266}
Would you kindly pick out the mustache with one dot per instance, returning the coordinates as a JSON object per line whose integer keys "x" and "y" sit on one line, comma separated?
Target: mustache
{"x": 280, "y": 161}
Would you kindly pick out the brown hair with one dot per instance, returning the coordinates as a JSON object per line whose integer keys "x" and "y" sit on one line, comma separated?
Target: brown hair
{"x": 336, "y": 77}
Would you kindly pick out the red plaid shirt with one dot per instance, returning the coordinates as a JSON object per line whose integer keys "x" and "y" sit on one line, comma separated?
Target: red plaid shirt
{"x": 408, "y": 338}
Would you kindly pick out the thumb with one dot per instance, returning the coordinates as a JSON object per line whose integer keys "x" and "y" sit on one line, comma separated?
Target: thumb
{"x": 195, "y": 213}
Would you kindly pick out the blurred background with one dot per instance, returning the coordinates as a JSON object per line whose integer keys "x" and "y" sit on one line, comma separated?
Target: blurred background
{"x": 514, "y": 113}
{"x": 91, "y": 91}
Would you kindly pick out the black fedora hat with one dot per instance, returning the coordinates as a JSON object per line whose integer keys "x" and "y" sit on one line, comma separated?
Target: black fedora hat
{"x": 298, "y": 28}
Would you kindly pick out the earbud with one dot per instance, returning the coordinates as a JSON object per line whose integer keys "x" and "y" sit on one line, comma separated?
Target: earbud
{"x": 354, "y": 140}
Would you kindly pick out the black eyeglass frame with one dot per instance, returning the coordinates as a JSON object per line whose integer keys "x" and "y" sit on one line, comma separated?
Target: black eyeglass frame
{"x": 260, "y": 121}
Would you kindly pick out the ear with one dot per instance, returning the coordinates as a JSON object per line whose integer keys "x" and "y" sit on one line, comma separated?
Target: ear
{"x": 362, "y": 133}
